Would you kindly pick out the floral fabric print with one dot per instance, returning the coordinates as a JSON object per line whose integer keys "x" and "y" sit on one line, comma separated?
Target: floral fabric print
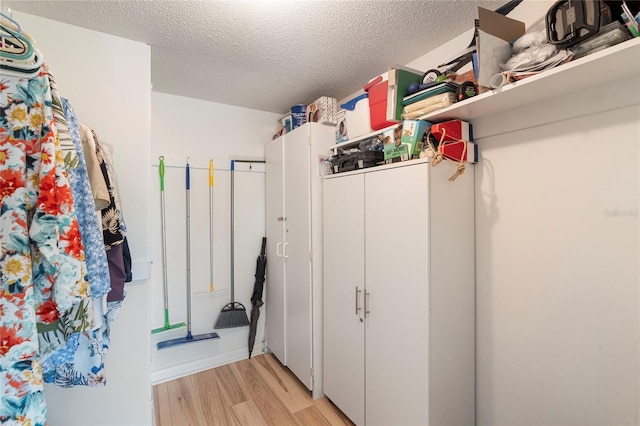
{"x": 64, "y": 136}
{"x": 111, "y": 228}
{"x": 41, "y": 254}
{"x": 54, "y": 330}
{"x": 82, "y": 362}
{"x": 105, "y": 150}
{"x": 27, "y": 169}
{"x": 98, "y": 185}
{"x": 97, "y": 266}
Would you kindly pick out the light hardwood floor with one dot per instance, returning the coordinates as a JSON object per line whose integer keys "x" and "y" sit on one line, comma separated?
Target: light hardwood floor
{"x": 259, "y": 392}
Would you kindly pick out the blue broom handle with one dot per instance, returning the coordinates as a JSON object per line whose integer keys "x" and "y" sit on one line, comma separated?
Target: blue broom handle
{"x": 188, "y": 187}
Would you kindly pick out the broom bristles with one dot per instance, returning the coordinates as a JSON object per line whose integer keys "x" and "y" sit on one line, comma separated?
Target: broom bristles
{"x": 232, "y": 315}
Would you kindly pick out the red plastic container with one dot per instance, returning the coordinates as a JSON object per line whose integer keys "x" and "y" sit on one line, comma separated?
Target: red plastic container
{"x": 378, "y": 90}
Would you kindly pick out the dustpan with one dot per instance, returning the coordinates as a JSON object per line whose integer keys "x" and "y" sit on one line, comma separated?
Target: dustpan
{"x": 233, "y": 314}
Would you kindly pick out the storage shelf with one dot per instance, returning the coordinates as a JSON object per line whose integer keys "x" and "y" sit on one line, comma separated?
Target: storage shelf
{"x": 614, "y": 63}
{"x": 353, "y": 143}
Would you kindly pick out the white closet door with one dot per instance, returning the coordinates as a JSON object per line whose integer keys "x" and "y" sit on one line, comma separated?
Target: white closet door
{"x": 343, "y": 276}
{"x": 275, "y": 285}
{"x": 297, "y": 251}
{"x": 397, "y": 244}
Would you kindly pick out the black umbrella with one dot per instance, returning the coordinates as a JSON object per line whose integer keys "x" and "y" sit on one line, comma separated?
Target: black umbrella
{"x": 256, "y": 297}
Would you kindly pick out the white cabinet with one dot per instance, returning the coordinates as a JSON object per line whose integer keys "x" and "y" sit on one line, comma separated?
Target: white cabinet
{"x": 399, "y": 295}
{"x": 294, "y": 250}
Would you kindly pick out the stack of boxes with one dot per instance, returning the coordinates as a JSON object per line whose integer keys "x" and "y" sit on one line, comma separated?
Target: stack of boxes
{"x": 323, "y": 110}
{"x": 378, "y": 113}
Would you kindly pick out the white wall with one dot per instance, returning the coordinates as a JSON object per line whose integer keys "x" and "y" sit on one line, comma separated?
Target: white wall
{"x": 557, "y": 264}
{"x": 557, "y": 272}
{"x": 184, "y": 127}
{"x": 107, "y": 80}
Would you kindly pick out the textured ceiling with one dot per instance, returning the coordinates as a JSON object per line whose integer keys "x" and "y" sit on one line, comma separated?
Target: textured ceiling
{"x": 269, "y": 54}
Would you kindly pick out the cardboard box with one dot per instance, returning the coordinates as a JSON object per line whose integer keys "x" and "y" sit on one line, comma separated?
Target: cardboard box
{"x": 394, "y": 149}
{"x": 323, "y": 110}
{"x": 412, "y": 134}
{"x": 494, "y": 37}
{"x": 341, "y": 128}
{"x": 393, "y": 153}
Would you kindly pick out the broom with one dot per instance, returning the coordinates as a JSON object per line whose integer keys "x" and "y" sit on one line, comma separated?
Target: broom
{"x": 233, "y": 314}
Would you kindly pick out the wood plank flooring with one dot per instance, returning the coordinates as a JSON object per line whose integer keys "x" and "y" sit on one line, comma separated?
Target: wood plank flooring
{"x": 255, "y": 392}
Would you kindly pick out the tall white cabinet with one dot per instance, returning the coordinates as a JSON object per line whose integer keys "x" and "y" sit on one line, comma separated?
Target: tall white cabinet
{"x": 399, "y": 295}
{"x": 294, "y": 250}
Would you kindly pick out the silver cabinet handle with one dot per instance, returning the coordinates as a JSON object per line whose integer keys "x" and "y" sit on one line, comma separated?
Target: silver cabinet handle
{"x": 284, "y": 250}
{"x": 358, "y": 308}
{"x": 366, "y": 303}
{"x": 278, "y": 252}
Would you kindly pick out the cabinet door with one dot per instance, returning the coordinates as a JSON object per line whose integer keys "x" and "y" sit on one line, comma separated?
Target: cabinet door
{"x": 275, "y": 285}
{"x": 297, "y": 249}
{"x": 343, "y": 294}
{"x": 397, "y": 265}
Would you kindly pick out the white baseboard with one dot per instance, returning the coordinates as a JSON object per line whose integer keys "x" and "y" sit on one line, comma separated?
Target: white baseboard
{"x": 202, "y": 364}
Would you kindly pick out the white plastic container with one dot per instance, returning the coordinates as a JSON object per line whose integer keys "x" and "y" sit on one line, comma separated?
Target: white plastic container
{"x": 357, "y": 119}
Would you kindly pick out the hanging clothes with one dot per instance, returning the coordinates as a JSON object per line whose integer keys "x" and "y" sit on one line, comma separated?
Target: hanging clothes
{"x": 41, "y": 253}
{"x": 53, "y": 333}
{"x": 126, "y": 254}
{"x": 64, "y": 137}
{"x": 97, "y": 267}
{"x": 81, "y": 362}
{"x": 51, "y": 191}
{"x": 107, "y": 154}
{"x": 117, "y": 273}
{"x": 113, "y": 227}
{"x": 112, "y": 223}
{"x": 96, "y": 180}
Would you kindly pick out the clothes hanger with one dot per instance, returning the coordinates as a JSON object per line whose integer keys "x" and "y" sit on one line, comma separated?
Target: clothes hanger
{"x": 23, "y": 69}
{"x": 13, "y": 42}
{"x": 12, "y": 23}
{"x": 14, "y": 36}
{"x": 15, "y": 27}
{"x": 12, "y": 45}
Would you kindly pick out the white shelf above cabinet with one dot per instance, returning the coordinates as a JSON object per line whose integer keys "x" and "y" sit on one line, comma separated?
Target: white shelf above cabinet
{"x": 614, "y": 63}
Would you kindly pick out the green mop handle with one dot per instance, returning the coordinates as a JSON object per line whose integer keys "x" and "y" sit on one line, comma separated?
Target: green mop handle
{"x": 164, "y": 236}
{"x": 161, "y": 169}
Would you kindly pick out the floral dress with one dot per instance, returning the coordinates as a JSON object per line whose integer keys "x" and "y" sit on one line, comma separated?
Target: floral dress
{"x": 42, "y": 269}
{"x": 81, "y": 361}
{"x": 97, "y": 267}
{"x": 53, "y": 332}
